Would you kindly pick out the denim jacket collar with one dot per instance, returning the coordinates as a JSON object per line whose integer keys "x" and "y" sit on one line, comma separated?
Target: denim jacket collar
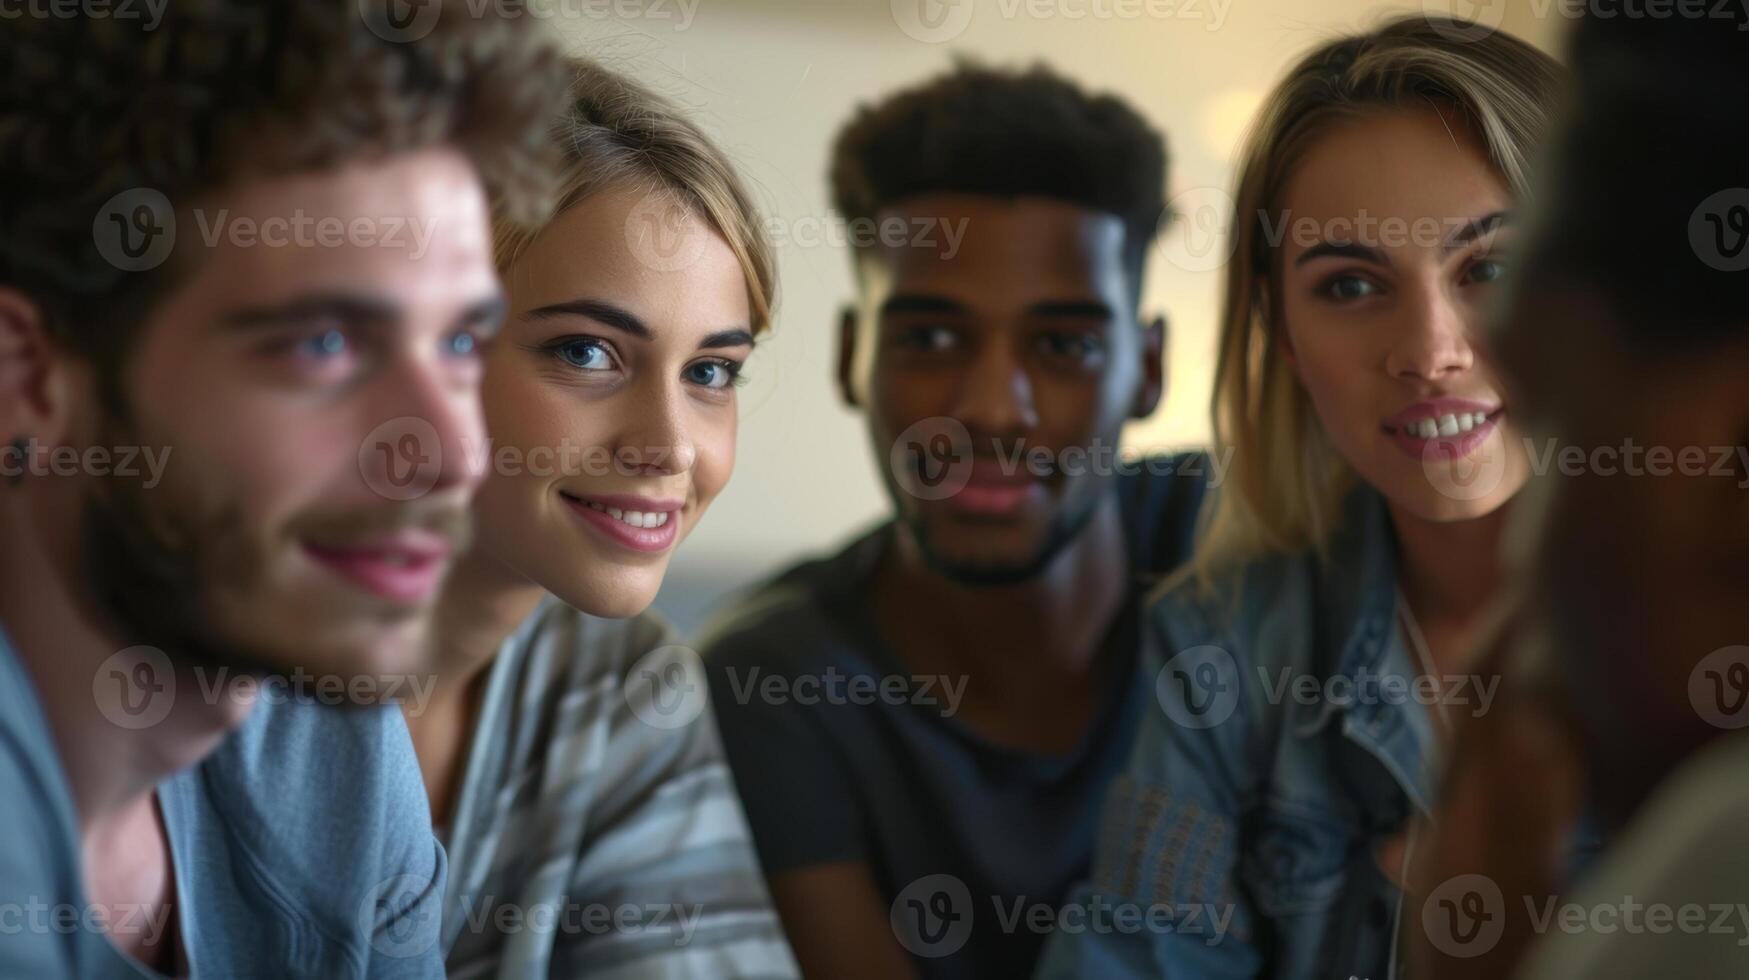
{"x": 1358, "y": 592}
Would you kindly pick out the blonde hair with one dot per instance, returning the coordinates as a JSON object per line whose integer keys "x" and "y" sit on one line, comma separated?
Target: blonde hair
{"x": 1286, "y": 483}
{"x": 616, "y": 132}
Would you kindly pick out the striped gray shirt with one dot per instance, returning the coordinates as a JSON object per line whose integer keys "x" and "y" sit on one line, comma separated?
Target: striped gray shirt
{"x": 598, "y": 833}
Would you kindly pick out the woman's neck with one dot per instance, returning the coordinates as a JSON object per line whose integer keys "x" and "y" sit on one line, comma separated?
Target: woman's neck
{"x": 1449, "y": 571}
{"x": 483, "y": 602}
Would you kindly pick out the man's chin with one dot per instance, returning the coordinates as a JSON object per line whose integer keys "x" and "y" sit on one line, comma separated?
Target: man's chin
{"x": 980, "y": 563}
{"x": 347, "y": 661}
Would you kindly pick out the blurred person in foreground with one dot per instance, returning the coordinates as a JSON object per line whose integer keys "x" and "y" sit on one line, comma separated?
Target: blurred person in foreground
{"x": 242, "y": 249}
{"x": 1627, "y": 344}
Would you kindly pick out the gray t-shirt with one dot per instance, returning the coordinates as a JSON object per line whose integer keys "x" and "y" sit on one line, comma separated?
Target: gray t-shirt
{"x": 598, "y": 833}
{"x": 842, "y": 755}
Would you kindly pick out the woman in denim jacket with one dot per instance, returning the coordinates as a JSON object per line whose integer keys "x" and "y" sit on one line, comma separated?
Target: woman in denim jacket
{"x": 1310, "y": 660}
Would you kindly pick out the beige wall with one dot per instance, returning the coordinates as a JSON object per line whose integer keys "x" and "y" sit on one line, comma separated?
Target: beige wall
{"x": 773, "y": 79}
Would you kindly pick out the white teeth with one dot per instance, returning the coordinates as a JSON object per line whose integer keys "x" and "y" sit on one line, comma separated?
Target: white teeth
{"x": 635, "y": 518}
{"x": 1445, "y": 425}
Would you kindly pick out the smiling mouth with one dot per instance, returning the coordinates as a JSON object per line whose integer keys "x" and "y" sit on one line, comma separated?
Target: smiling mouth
{"x": 646, "y": 531}
{"x": 397, "y": 571}
{"x": 1450, "y": 425}
{"x": 641, "y": 519}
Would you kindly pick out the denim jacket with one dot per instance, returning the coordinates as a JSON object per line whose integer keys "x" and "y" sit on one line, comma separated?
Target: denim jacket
{"x": 1285, "y": 745}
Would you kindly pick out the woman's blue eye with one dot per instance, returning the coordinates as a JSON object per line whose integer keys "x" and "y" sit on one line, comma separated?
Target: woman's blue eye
{"x": 463, "y": 344}
{"x": 713, "y": 374}
{"x": 589, "y": 355}
{"x": 323, "y": 345}
{"x": 1487, "y": 270}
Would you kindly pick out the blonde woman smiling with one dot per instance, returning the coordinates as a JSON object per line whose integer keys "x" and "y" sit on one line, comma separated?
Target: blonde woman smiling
{"x": 591, "y": 823}
{"x": 1357, "y": 541}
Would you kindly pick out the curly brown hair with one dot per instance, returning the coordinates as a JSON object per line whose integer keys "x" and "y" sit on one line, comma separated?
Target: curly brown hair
{"x": 223, "y": 90}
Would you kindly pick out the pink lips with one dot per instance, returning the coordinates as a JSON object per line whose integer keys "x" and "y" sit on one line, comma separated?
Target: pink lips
{"x": 616, "y": 531}
{"x": 1455, "y": 446}
{"x": 407, "y": 567}
{"x": 992, "y": 491}
{"x": 995, "y": 499}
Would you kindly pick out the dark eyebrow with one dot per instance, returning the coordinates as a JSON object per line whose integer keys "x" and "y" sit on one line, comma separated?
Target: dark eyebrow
{"x": 351, "y": 308}
{"x": 1341, "y": 250}
{"x": 727, "y": 338}
{"x": 601, "y": 312}
{"x": 921, "y": 303}
{"x": 488, "y": 310}
{"x": 1475, "y": 228}
{"x": 1074, "y": 309}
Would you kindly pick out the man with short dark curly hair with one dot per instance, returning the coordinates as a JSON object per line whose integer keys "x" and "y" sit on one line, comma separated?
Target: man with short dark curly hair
{"x": 245, "y": 271}
{"x": 922, "y": 726}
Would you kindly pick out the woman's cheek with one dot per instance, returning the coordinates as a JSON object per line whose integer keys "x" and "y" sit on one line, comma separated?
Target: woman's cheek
{"x": 715, "y": 462}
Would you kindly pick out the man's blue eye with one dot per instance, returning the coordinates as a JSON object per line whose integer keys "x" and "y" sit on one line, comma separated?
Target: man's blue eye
{"x": 463, "y": 344}
{"x": 325, "y": 344}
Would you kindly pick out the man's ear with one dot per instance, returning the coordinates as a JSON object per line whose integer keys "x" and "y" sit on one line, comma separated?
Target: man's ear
{"x": 847, "y": 356}
{"x": 1154, "y": 372}
{"x": 33, "y": 386}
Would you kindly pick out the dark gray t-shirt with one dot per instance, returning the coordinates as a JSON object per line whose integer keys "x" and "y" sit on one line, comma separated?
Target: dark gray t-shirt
{"x": 841, "y": 754}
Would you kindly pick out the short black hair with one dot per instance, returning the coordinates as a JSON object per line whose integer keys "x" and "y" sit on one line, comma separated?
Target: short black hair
{"x": 1650, "y": 179}
{"x": 1006, "y": 133}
